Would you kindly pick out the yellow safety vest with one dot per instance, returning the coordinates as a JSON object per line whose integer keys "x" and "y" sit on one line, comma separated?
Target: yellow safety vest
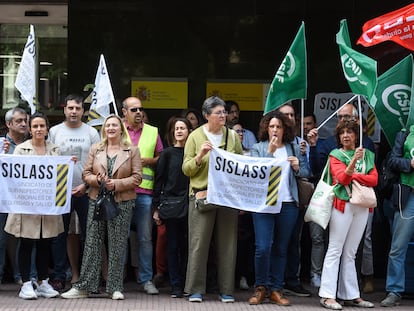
{"x": 146, "y": 146}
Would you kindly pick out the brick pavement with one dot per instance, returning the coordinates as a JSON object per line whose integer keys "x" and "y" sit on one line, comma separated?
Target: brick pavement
{"x": 135, "y": 301}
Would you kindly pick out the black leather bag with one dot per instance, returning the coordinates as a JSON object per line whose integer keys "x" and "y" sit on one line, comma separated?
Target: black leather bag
{"x": 305, "y": 191}
{"x": 173, "y": 207}
{"x": 105, "y": 207}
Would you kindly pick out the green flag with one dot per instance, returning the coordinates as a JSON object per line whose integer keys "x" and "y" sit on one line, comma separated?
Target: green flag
{"x": 360, "y": 71}
{"x": 290, "y": 79}
{"x": 410, "y": 119}
{"x": 391, "y": 100}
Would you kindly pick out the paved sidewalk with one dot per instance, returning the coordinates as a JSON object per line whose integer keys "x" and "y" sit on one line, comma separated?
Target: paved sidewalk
{"x": 135, "y": 300}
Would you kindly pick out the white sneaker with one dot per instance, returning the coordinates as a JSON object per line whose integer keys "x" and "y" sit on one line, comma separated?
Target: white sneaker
{"x": 117, "y": 296}
{"x": 74, "y": 293}
{"x": 27, "y": 291}
{"x": 46, "y": 290}
{"x": 243, "y": 283}
{"x": 150, "y": 288}
{"x": 316, "y": 280}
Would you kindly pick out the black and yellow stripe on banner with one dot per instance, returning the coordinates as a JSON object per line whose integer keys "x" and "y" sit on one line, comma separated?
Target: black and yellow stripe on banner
{"x": 93, "y": 115}
{"x": 371, "y": 122}
{"x": 273, "y": 188}
{"x": 61, "y": 184}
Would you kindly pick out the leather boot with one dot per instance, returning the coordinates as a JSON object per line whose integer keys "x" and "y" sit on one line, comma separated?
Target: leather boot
{"x": 258, "y": 296}
{"x": 277, "y": 297}
{"x": 369, "y": 284}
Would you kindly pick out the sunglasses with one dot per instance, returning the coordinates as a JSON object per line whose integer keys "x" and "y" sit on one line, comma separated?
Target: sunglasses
{"x": 135, "y": 109}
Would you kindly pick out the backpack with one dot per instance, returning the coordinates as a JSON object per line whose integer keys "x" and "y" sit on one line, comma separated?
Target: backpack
{"x": 387, "y": 177}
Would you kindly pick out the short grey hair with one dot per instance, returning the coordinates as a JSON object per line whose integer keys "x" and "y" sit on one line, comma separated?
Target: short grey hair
{"x": 10, "y": 113}
{"x": 354, "y": 110}
{"x": 210, "y": 103}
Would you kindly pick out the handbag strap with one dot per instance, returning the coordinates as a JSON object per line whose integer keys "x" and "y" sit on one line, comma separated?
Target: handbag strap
{"x": 226, "y": 139}
{"x": 326, "y": 171}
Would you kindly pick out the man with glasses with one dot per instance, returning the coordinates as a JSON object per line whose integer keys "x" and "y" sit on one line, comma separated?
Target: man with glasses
{"x": 16, "y": 122}
{"x": 147, "y": 139}
{"x": 320, "y": 149}
{"x": 233, "y": 113}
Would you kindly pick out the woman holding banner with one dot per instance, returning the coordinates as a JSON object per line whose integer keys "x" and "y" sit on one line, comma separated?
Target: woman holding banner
{"x": 220, "y": 222}
{"x": 35, "y": 229}
{"x": 273, "y": 231}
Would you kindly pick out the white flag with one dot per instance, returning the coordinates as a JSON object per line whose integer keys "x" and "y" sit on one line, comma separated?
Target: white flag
{"x": 26, "y": 75}
{"x": 102, "y": 96}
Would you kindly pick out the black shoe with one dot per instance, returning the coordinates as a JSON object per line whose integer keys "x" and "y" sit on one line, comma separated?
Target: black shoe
{"x": 297, "y": 290}
{"x": 177, "y": 292}
{"x": 58, "y": 285}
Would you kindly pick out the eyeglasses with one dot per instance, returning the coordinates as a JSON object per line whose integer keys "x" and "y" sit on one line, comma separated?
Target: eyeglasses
{"x": 344, "y": 117}
{"x": 220, "y": 113}
{"x": 239, "y": 131}
{"x": 135, "y": 109}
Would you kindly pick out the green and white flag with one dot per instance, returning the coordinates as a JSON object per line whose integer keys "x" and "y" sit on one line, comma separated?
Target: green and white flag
{"x": 392, "y": 97}
{"x": 360, "y": 70}
{"x": 290, "y": 81}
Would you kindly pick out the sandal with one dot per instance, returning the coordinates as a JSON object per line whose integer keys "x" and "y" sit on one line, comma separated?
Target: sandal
{"x": 331, "y": 306}
{"x": 360, "y": 303}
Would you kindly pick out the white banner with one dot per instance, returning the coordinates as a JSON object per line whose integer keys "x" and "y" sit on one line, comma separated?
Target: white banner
{"x": 241, "y": 182}
{"x": 40, "y": 185}
{"x": 102, "y": 95}
{"x": 327, "y": 103}
{"x": 26, "y": 75}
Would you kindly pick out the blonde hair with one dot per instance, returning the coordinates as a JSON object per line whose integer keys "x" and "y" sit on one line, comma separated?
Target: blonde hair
{"x": 125, "y": 140}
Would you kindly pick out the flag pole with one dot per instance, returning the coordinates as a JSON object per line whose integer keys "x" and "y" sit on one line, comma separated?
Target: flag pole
{"x": 335, "y": 112}
{"x": 113, "y": 102}
{"x": 360, "y": 120}
{"x": 302, "y": 116}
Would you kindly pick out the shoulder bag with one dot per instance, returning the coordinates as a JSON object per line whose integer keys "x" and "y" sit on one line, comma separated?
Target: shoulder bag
{"x": 105, "y": 206}
{"x": 361, "y": 195}
{"x": 305, "y": 187}
{"x": 173, "y": 207}
{"x": 320, "y": 206}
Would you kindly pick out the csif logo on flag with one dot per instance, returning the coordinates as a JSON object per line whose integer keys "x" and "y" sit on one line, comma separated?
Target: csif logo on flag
{"x": 351, "y": 69}
{"x": 287, "y": 68}
{"x": 396, "y": 99}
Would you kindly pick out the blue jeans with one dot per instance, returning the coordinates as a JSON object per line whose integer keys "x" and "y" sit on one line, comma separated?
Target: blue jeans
{"x": 319, "y": 238}
{"x": 177, "y": 250}
{"x": 272, "y": 236}
{"x": 59, "y": 252}
{"x": 293, "y": 263}
{"x": 402, "y": 232}
{"x": 143, "y": 221}
{"x": 3, "y": 243}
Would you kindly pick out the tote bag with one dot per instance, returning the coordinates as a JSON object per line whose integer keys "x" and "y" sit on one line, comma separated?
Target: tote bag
{"x": 320, "y": 206}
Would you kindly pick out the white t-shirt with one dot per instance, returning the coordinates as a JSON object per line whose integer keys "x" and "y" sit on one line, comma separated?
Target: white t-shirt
{"x": 74, "y": 142}
{"x": 284, "y": 194}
